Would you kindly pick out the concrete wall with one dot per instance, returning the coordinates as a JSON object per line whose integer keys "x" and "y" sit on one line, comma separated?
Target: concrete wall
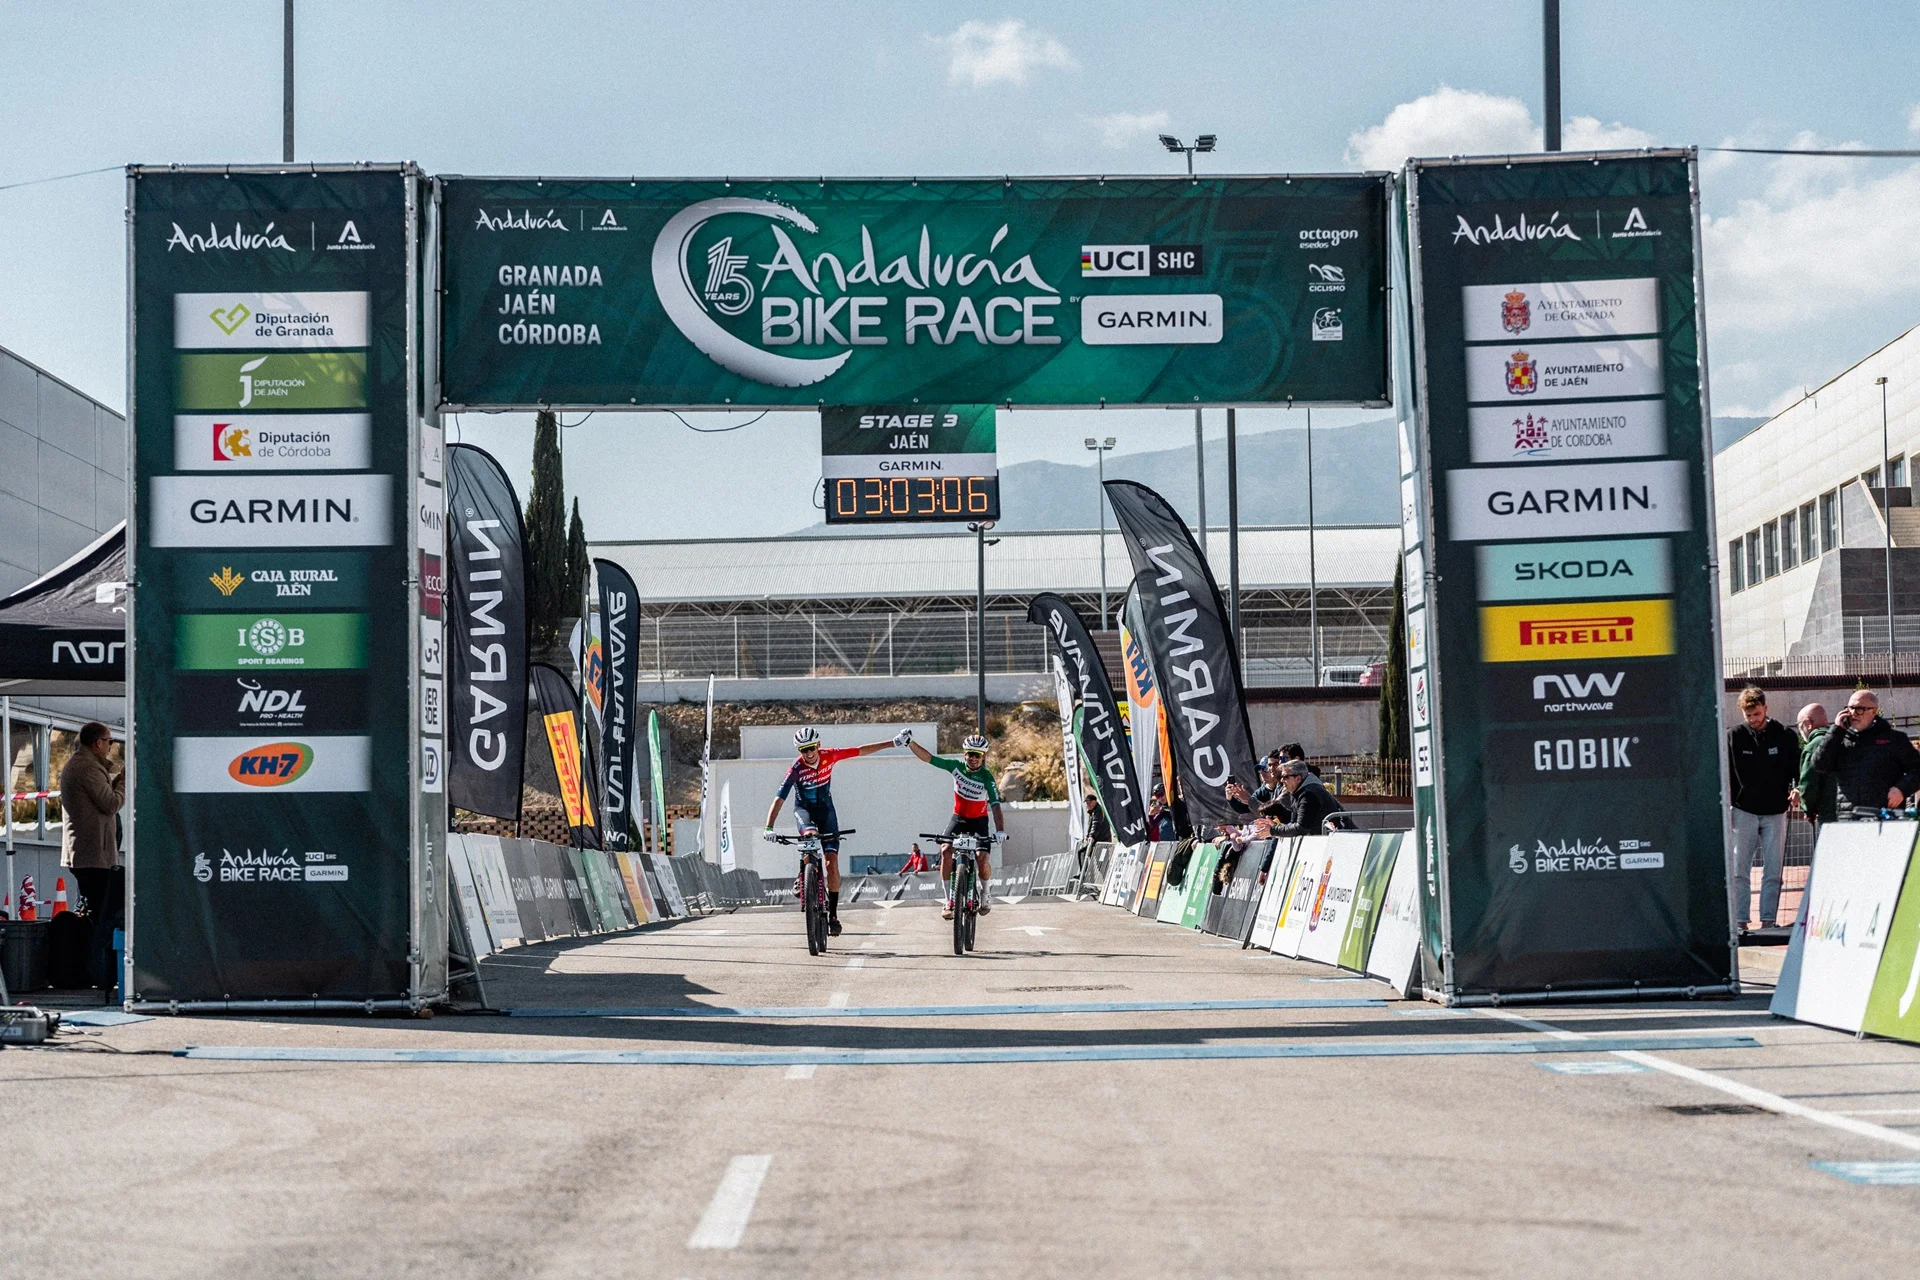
{"x": 775, "y": 741}
{"x": 1330, "y": 727}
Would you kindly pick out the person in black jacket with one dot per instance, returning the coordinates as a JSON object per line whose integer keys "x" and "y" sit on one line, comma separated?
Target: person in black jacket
{"x": 1099, "y": 830}
{"x": 1873, "y": 764}
{"x": 1763, "y": 771}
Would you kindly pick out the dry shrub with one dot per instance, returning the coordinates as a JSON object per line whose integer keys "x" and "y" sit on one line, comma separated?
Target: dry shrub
{"x": 1029, "y": 757}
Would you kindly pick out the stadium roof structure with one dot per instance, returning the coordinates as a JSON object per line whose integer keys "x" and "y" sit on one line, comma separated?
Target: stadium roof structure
{"x": 941, "y": 565}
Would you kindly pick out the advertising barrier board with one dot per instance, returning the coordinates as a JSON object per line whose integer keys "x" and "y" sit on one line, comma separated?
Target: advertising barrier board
{"x": 1274, "y": 895}
{"x": 1311, "y": 866}
{"x": 1893, "y": 1006}
{"x": 1369, "y": 897}
{"x": 1395, "y": 954}
{"x": 1199, "y": 886}
{"x": 1326, "y": 925}
{"x": 1858, "y": 870}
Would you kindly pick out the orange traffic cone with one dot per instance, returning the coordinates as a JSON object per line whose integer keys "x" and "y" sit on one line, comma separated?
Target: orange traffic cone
{"x": 27, "y": 909}
{"x": 59, "y": 894}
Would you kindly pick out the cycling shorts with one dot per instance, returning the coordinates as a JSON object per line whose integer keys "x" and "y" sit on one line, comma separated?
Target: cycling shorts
{"x": 817, "y": 819}
{"x": 960, "y": 826}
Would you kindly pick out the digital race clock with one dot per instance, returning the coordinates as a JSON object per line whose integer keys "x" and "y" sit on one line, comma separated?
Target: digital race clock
{"x": 909, "y": 463}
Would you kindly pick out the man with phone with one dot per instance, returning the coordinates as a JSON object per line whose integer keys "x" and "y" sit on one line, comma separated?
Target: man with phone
{"x": 1873, "y": 765}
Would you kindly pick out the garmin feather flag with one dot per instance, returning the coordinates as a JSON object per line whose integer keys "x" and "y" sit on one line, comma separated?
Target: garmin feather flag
{"x": 1102, "y": 742}
{"x": 487, "y": 636}
{"x": 1191, "y": 645}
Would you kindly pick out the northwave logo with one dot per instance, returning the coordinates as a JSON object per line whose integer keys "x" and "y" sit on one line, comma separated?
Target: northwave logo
{"x": 239, "y": 238}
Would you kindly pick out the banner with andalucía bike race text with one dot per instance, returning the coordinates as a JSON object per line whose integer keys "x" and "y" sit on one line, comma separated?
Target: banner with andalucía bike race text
{"x": 1061, "y": 291}
{"x": 1563, "y": 669}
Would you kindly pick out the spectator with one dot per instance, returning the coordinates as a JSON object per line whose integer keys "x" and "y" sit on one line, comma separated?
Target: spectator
{"x": 91, "y": 795}
{"x": 1763, "y": 766}
{"x": 916, "y": 861}
{"x": 1159, "y": 816}
{"x": 1099, "y": 830}
{"x": 1263, "y": 798}
{"x": 1872, "y": 764}
{"x": 1817, "y": 794}
{"x": 1310, "y": 804}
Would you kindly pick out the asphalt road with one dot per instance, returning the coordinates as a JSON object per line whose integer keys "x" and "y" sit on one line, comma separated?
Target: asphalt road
{"x": 1419, "y": 1150}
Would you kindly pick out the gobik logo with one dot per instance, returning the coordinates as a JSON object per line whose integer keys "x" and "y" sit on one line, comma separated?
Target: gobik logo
{"x": 734, "y": 280}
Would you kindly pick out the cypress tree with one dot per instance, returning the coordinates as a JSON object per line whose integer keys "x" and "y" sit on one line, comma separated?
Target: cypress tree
{"x": 578, "y": 570}
{"x": 547, "y": 600}
{"x": 1393, "y": 685}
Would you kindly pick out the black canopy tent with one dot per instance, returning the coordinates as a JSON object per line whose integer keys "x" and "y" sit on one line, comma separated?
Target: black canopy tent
{"x": 65, "y": 634}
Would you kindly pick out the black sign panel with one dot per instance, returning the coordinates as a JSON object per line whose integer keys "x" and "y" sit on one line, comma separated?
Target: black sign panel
{"x": 254, "y": 580}
{"x": 1564, "y": 691}
{"x": 1579, "y": 751}
{"x": 270, "y": 701}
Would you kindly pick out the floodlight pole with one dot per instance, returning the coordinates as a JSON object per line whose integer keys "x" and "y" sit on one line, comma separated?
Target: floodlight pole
{"x": 1233, "y": 527}
{"x": 1100, "y": 463}
{"x": 979, "y": 532}
{"x": 1200, "y": 478}
{"x": 1313, "y": 567}
{"x": 1550, "y": 69}
{"x": 1886, "y": 519}
{"x": 286, "y": 83}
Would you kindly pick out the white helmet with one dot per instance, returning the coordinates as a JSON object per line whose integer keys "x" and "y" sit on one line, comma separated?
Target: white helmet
{"x": 974, "y": 742}
{"x": 806, "y": 736}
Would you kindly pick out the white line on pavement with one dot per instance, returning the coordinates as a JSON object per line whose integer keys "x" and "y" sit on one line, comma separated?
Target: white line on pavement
{"x": 868, "y": 945}
{"x": 858, "y": 962}
{"x": 1745, "y": 1092}
{"x": 725, "y": 1220}
{"x": 838, "y": 1000}
{"x": 801, "y": 1071}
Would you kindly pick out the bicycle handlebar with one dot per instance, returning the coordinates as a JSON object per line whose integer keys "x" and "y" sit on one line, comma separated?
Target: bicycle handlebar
{"x": 947, "y": 837}
{"x": 781, "y": 837}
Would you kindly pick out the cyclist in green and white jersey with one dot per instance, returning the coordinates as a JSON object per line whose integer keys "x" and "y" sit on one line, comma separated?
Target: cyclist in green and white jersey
{"x": 974, "y": 793}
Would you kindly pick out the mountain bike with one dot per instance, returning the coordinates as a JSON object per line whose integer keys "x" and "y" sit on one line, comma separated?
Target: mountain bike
{"x": 813, "y": 884}
{"x": 966, "y": 902}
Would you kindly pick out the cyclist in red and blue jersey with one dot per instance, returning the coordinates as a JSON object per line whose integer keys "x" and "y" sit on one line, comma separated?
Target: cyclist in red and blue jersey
{"x": 974, "y": 793}
{"x": 810, "y": 782}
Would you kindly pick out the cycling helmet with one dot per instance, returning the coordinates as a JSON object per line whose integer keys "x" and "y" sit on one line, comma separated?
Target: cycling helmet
{"x": 805, "y": 737}
{"x": 974, "y": 743}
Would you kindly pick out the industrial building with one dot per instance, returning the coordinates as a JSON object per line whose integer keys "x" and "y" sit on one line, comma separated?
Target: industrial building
{"x": 1817, "y": 526}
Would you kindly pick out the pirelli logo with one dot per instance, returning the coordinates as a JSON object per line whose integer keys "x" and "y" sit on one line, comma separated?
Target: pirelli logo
{"x": 1583, "y": 629}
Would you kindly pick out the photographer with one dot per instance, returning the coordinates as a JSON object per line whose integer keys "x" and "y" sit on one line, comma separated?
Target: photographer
{"x": 1873, "y": 765}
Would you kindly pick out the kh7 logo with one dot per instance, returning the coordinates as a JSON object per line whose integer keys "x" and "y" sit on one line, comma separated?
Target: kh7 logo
{"x": 838, "y": 293}
{"x": 274, "y": 765}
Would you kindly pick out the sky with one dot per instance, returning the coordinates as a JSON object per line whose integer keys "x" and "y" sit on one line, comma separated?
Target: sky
{"x": 1810, "y": 263}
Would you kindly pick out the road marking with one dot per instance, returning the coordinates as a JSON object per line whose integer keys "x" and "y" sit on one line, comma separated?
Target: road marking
{"x": 1422, "y": 1048}
{"x": 1592, "y": 1068}
{"x": 1031, "y": 930}
{"x": 725, "y": 1220}
{"x": 858, "y": 962}
{"x": 837, "y": 1009}
{"x": 1873, "y": 1173}
{"x": 1745, "y": 1092}
{"x": 802, "y": 1070}
{"x": 868, "y": 945}
{"x": 1881, "y": 1111}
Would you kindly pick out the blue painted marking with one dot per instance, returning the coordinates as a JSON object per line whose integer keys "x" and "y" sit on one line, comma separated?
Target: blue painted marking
{"x": 949, "y": 1010}
{"x": 1873, "y": 1173}
{"x": 923, "y": 1057}
{"x": 101, "y": 1017}
{"x": 1603, "y": 1068}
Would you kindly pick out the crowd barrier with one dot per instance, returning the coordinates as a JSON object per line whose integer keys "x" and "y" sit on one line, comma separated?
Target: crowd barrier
{"x": 1854, "y": 960}
{"x": 1348, "y": 900}
{"x": 512, "y": 891}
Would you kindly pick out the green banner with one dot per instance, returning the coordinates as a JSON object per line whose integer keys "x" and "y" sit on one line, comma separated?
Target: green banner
{"x": 241, "y": 641}
{"x": 742, "y": 293}
{"x": 1893, "y": 1007}
{"x": 1363, "y": 918}
{"x": 657, "y": 776}
{"x": 254, "y": 293}
{"x": 272, "y": 380}
{"x": 256, "y": 580}
{"x": 1563, "y": 683}
{"x": 1199, "y": 886}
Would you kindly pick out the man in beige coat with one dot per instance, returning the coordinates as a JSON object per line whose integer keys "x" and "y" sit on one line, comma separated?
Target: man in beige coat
{"x": 91, "y": 795}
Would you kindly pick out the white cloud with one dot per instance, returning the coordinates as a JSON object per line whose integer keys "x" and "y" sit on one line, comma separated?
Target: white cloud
{"x": 1122, "y": 129}
{"x": 1828, "y": 237}
{"x": 980, "y": 54}
{"x": 1452, "y": 121}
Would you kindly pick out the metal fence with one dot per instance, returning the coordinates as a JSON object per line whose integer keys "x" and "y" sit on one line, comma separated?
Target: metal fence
{"x": 1841, "y": 669}
{"x": 797, "y": 646}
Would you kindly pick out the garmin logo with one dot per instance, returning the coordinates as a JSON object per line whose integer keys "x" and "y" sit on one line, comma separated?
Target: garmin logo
{"x": 239, "y": 239}
{"x": 273, "y": 511}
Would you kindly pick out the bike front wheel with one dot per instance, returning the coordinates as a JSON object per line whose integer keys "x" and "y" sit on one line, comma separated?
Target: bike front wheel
{"x": 815, "y": 911}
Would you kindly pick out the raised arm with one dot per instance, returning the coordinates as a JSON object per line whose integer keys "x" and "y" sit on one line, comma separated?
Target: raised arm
{"x": 871, "y": 747}
{"x": 926, "y": 756}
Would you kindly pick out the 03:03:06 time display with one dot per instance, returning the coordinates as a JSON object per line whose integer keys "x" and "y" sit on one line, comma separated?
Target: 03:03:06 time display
{"x": 913, "y": 498}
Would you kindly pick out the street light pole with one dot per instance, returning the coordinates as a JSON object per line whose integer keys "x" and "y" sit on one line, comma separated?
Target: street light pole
{"x": 980, "y": 625}
{"x": 1200, "y": 478}
{"x": 1550, "y": 70}
{"x": 1233, "y": 526}
{"x": 1313, "y": 567}
{"x": 1100, "y": 448}
{"x": 1886, "y": 515}
{"x": 286, "y": 83}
